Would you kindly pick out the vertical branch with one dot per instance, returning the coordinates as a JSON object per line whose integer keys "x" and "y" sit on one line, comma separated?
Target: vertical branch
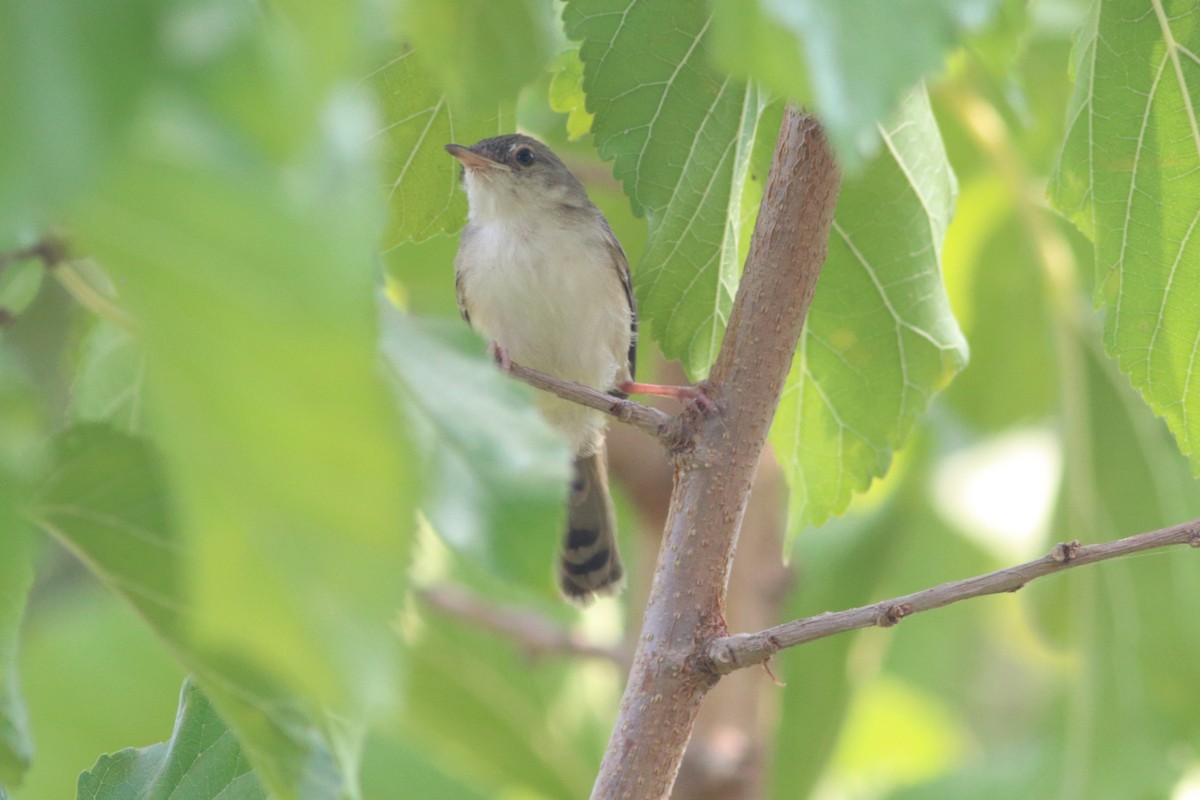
{"x": 713, "y": 477}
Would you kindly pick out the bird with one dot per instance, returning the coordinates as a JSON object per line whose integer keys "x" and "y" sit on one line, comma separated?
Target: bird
{"x": 540, "y": 273}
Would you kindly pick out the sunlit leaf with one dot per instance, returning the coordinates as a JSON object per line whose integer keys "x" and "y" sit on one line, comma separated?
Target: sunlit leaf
{"x": 1129, "y": 177}
{"x": 566, "y": 93}
{"x": 681, "y": 135}
{"x": 200, "y": 761}
{"x": 1001, "y": 281}
{"x": 851, "y": 61}
{"x": 880, "y": 339}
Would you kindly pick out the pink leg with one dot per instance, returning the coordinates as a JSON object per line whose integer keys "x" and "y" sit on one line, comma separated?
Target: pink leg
{"x": 683, "y": 394}
{"x": 500, "y": 353}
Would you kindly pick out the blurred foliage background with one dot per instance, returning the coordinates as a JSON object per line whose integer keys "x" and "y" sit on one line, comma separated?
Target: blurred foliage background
{"x": 245, "y": 439}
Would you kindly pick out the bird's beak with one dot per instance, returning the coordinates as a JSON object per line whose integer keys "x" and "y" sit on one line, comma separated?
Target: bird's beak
{"x": 472, "y": 160}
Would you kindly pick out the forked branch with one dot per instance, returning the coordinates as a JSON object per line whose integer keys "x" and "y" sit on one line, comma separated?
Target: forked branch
{"x": 728, "y": 653}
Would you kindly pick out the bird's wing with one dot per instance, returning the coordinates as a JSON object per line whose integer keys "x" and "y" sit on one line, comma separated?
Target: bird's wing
{"x": 621, "y": 264}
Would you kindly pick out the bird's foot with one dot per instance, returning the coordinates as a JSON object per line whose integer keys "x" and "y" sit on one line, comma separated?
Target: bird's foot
{"x": 500, "y": 353}
{"x": 698, "y": 394}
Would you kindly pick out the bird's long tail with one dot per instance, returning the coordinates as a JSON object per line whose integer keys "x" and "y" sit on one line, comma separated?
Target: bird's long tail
{"x": 590, "y": 564}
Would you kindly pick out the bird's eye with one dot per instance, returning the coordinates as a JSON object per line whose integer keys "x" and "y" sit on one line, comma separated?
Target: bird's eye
{"x": 524, "y": 156}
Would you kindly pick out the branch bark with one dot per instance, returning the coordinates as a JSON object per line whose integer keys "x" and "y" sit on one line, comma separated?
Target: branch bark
{"x": 729, "y": 653}
{"x": 714, "y": 471}
{"x": 664, "y": 427}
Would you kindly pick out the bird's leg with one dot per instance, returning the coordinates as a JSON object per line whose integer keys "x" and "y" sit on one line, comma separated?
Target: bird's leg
{"x": 500, "y": 353}
{"x": 697, "y": 394}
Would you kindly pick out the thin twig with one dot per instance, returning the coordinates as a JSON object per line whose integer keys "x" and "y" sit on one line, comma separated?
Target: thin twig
{"x": 536, "y": 634}
{"x": 728, "y": 653}
{"x": 662, "y": 426}
{"x": 53, "y": 252}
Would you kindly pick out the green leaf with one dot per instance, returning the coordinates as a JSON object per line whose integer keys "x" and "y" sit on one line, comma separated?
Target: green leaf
{"x": 106, "y": 500}
{"x": 257, "y": 313}
{"x": 110, "y": 381}
{"x": 16, "y": 576}
{"x": 1123, "y": 474}
{"x": 1129, "y": 177}
{"x": 392, "y": 762}
{"x": 681, "y": 134}
{"x": 201, "y": 760}
{"x": 504, "y": 722}
{"x": 482, "y": 51}
{"x": 67, "y": 96}
{"x": 21, "y": 432}
{"x": 852, "y": 62}
{"x": 566, "y": 93}
{"x": 421, "y": 188}
{"x": 19, "y": 284}
{"x": 988, "y": 249}
{"x": 880, "y": 339}
{"x": 845, "y": 562}
{"x": 496, "y": 472}
{"x": 124, "y": 692}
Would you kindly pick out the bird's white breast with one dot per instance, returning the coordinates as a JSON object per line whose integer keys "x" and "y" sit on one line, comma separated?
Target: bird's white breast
{"x": 553, "y": 297}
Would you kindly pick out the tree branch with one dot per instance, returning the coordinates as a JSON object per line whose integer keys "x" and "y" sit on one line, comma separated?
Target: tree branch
{"x": 729, "y": 653}
{"x": 658, "y": 424}
{"x": 532, "y": 632}
{"x": 714, "y": 471}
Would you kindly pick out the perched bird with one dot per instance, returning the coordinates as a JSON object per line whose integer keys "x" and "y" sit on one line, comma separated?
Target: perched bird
{"x": 540, "y": 273}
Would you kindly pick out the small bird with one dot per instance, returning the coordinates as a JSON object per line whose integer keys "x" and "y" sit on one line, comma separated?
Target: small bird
{"x": 540, "y": 273}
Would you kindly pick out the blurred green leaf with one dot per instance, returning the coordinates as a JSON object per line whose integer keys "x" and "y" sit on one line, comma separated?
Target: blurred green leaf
{"x": 392, "y": 762}
{"x": 880, "y": 339}
{"x": 74, "y": 72}
{"x": 897, "y": 734}
{"x": 1131, "y": 677}
{"x": 681, "y": 135}
{"x": 989, "y": 252}
{"x": 504, "y": 722}
{"x": 240, "y": 232}
{"x": 566, "y": 93}
{"x": 421, "y": 189}
{"x": 201, "y": 761}
{"x": 16, "y": 575}
{"x": 482, "y": 51}
{"x": 853, "y": 61}
{"x": 19, "y": 284}
{"x": 21, "y": 420}
{"x": 124, "y": 691}
{"x": 110, "y": 383}
{"x": 107, "y": 502}
{"x": 843, "y": 564}
{"x": 257, "y": 313}
{"x": 1129, "y": 177}
{"x": 495, "y": 472}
